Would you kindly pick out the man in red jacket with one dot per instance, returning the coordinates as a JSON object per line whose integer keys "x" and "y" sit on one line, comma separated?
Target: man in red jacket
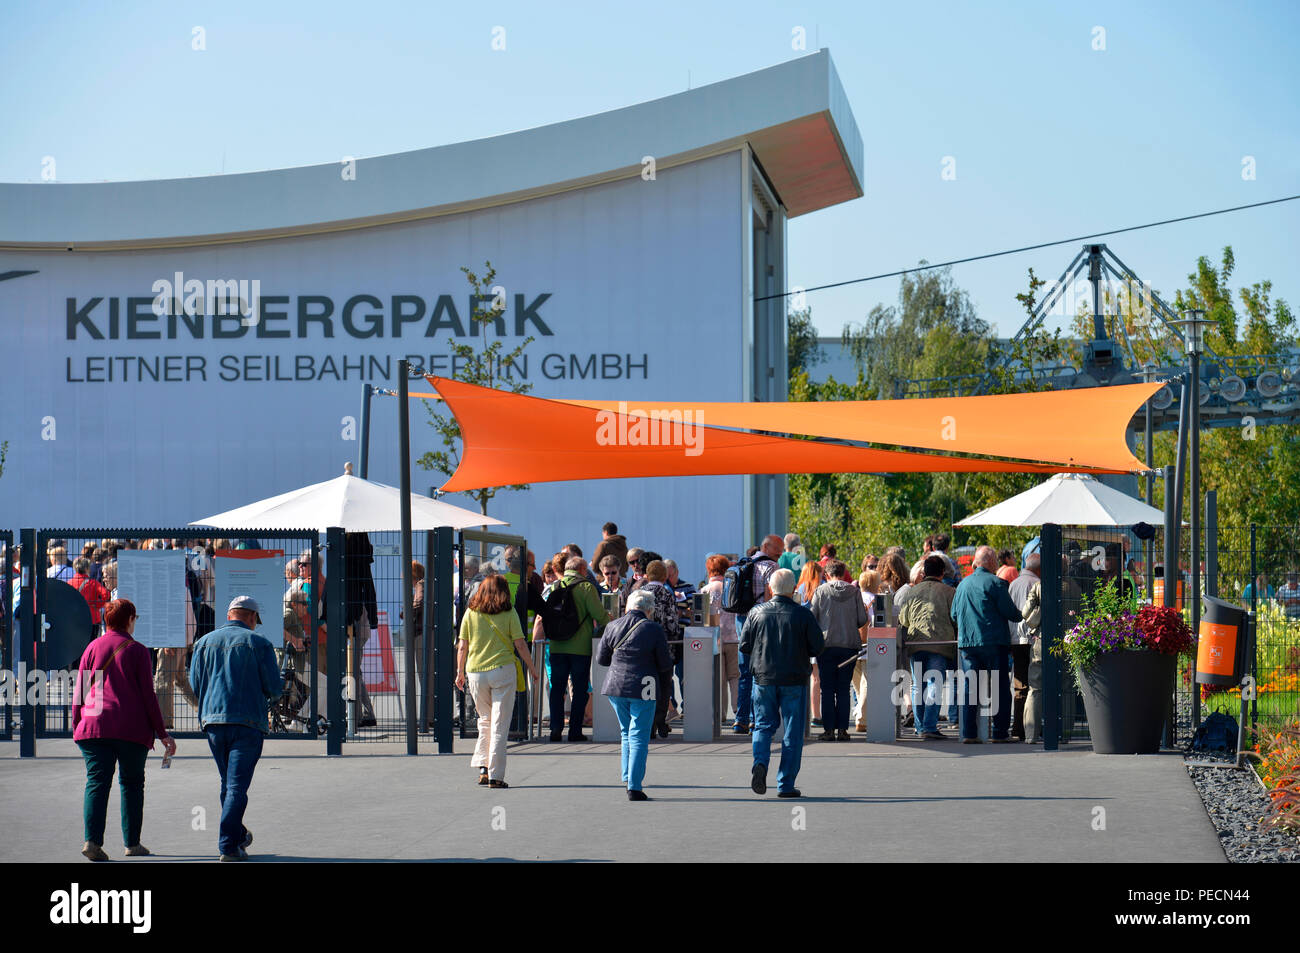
{"x": 94, "y": 593}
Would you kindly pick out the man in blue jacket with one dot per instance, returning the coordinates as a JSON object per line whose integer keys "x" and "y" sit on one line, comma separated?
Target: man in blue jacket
{"x": 234, "y": 673}
{"x": 781, "y": 638}
{"x": 981, "y": 609}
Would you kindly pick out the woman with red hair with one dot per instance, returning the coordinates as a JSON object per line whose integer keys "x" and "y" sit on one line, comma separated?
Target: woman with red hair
{"x": 115, "y": 718}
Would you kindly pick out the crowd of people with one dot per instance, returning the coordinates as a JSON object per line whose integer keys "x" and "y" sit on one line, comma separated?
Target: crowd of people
{"x": 790, "y": 652}
{"x": 794, "y": 652}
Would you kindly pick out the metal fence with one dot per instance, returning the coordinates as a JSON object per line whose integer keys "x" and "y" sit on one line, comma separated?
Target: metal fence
{"x": 1089, "y": 557}
{"x": 1258, "y": 568}
{"x": 378, "y": 635}
{"x": 10, "y": 571}
{"x": 76, "y": 573}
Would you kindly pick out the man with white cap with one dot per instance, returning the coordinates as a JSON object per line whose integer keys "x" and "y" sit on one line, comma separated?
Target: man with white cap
{"x": 236, "y": 677}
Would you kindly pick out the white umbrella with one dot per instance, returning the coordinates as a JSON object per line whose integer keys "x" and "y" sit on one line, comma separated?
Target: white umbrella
{"x": 350, "y": 502}
{"x": 1068, "y": 499}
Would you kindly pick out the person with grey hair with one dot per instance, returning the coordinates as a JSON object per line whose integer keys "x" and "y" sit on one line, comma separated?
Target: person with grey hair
{"x": 780, "y": 638}
{"x": 1021, "y": 641}
{"x": 792, "y": 558}
{"x": 635, "y": 648}
{"x": 981, "y": 609}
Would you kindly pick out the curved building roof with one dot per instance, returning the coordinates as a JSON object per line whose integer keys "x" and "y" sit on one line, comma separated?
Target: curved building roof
{"x": 794, "y": 116}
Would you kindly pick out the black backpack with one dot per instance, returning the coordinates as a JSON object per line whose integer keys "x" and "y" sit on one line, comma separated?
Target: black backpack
{"x": 1217, "y": 733}
{"x": 738, "y": 585}
{"x": 560, "y": 617}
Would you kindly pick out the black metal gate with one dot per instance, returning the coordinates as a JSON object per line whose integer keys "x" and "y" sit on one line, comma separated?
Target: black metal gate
{"x": 9, "y": 587}
{"x": 76, "y": 570}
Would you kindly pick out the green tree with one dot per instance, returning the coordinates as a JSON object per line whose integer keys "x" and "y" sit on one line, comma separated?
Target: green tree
{"x": 933, "y": 331}
{"x": 801, "y": 341}
{"x": 1255, "y": 469}
{"x": 488, "y": 365}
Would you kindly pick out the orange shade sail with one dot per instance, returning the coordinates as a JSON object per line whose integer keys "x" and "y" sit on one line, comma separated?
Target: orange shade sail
{"x": 1084, "y": 427}
{"x": 515, "y": 438}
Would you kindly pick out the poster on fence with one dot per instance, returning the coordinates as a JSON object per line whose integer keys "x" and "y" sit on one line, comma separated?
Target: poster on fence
{"x": 252, "y": 572}
{"x": 378, "y": 669}
{"x": 154, "y": 581}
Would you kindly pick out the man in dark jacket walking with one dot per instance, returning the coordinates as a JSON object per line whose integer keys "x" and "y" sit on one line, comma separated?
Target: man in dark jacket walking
{"x": 780, "y": 637}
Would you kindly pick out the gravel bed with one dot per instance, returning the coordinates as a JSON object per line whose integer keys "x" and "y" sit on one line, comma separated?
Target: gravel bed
{"x": 1236, "y": 803}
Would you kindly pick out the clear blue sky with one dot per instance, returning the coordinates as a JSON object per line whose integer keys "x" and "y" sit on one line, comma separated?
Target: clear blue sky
{"x": 1051, "y": 138}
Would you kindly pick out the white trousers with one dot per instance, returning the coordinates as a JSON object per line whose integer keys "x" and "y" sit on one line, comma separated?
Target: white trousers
{"x": 494, "y": 698}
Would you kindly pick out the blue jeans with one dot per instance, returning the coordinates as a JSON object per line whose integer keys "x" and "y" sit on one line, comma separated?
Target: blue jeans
{"x": 236, "y": 749}
{"x": 928, "y": 670}
{"x": 566, "y": 668}
{"x": 836, "y": 685}
{"x": 774, "y": 704}
{"x": 635, "y": 718}
{"x": 745, "y": 687}
{"x": 993, "y": 659}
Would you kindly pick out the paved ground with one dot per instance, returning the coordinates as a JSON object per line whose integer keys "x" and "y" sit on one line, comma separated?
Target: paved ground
{"x": 938, "y": 801}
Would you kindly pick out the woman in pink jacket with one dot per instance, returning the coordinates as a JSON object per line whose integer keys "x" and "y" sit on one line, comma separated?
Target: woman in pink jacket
{"x": 115, "y": 718}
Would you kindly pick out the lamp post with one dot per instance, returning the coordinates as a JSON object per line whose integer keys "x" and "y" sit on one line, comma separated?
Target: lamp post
{"x": 405, "y": 371}
{"x": 1194, "y": 324}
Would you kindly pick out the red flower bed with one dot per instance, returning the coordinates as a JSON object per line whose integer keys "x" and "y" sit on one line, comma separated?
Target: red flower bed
{"x": 1164, "y": 630}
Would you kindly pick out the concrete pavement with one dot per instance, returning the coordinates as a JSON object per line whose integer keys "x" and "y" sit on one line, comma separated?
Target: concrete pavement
{"x": 910, "y": 801}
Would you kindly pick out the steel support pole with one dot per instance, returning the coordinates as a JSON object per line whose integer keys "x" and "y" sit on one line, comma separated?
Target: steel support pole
{"x": 1050, "y": 546}
{"x": 1212, "y": 543}
{"x": 1254, "y": 610}
{"x": 444, "y": 649}
{"x": 335, "y": 601}
{"x": 27, "y": 623}
{"x": 1150, "y": 544}
{"x": 363, "y": 457}
{"x": 1180, "y": 462}
{"x": 408, "y": 579}
{"x": 1195, "y": 556}
{"x": 1170, "y": 582}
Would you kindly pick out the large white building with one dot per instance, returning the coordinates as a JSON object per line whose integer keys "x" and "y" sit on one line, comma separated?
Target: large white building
{"x": 631, "y": 245}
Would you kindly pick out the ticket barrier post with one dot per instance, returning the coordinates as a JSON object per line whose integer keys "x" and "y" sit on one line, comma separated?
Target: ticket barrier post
{"x": 881, "y": 662}
{"x": 700, "y": 691}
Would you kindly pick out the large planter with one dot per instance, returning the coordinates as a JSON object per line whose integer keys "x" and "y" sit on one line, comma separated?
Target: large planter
{"x": 1126, "y": 695}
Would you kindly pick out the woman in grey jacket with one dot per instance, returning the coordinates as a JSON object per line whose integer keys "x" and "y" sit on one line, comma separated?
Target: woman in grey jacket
{"x": 837, "y": 606}
{"x": 635, "y": 648}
